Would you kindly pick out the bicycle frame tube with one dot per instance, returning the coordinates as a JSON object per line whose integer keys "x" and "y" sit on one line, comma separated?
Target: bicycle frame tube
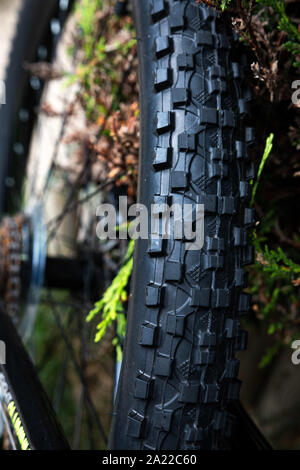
{"x": 28, "y": 407}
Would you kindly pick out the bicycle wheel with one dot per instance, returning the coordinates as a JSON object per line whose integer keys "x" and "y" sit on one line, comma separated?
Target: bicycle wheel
{"x": 24, "y": 48}
{"x": 179, "y": 371}
{"x": 47, "y": 271}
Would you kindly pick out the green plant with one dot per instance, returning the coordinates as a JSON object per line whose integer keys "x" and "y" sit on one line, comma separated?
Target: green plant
{"x": 86, "y": 13}
{"x": 98, "y": 72}
{"x": 269, "y": 355}
{"x": 224, "y": 4}
{"x": 276, "y": 263}
{"x": 284, "y": 24}
{"x": 274, "y": 277}
{"x": 111, "y": 306}
{"x": 265, "y": 16}
{"x": 275, "y": 280}
{"x": 266, "y": 154}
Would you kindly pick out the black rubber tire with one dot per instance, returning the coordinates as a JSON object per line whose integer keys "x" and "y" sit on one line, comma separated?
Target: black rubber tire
{"x": 19, "y": 94}
{"x": 179, "y": 371}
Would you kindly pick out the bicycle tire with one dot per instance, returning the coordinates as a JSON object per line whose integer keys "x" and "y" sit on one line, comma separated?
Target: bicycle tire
{"x": 179, "y": 371}
{"x": 38, "y": 427}
{"x": 18, "y": 92}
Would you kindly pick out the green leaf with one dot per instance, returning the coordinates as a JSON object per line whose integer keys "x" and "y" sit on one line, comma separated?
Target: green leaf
{"x": 110, "y": 307}
{"x": 269, "y": 356}
{"x": 267, "y": 151}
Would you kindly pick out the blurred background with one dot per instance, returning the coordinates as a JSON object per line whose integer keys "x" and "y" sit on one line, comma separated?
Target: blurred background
{"x": 96, "y": 54}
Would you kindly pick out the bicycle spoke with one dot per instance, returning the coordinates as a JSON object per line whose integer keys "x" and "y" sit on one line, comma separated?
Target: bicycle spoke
{"x": 78, "y": 371}
{"x": 68, "y": 191}
{"x": 78, "y": 419}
